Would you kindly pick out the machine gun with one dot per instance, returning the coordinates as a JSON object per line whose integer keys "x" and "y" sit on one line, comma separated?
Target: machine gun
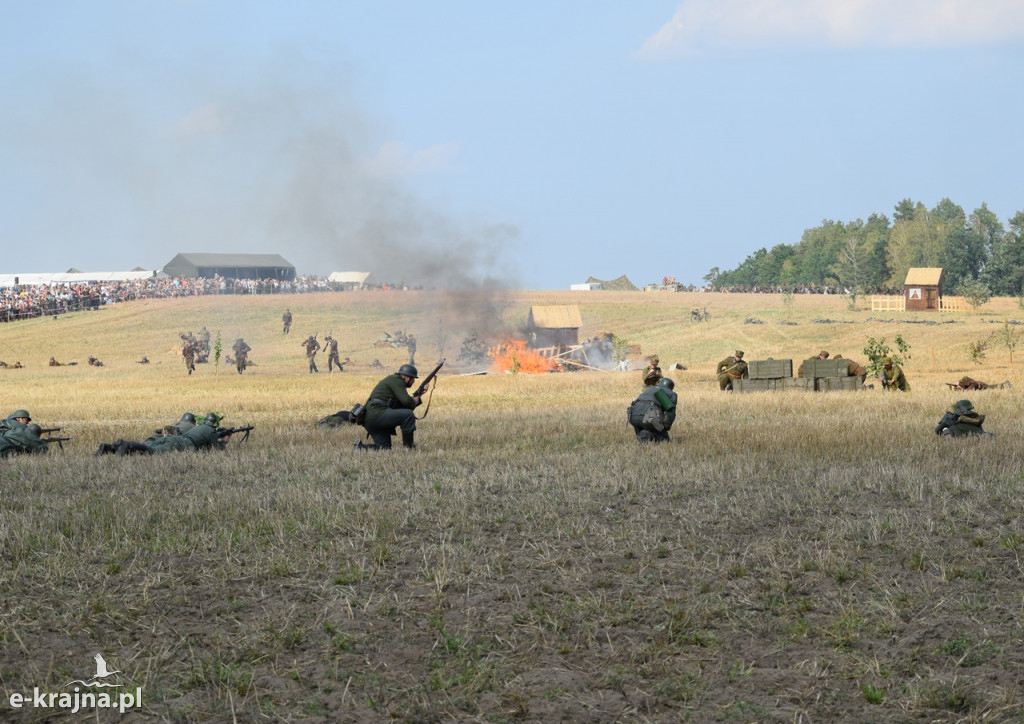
{"x": 225, "y": 431}
{"x": 59, "y": 440}
{"x": 46, "y": 430}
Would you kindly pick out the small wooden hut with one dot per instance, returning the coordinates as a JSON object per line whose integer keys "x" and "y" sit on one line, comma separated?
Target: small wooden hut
{"x": 923, "y": 288}
{"x": 554, "y": 326}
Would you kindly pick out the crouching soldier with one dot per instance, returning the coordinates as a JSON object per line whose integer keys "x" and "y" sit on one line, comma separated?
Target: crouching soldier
{"x": 652, "y": 413}
{"x": 390, "y": 406}
{"x": 961, "y": 420}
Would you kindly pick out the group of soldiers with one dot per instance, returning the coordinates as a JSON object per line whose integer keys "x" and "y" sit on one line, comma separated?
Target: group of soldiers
{"x": 195, "y": 349}
{"x": 185, "y": 434}
{"x": 890, "y": 377}
{"x": 312, "y": 346}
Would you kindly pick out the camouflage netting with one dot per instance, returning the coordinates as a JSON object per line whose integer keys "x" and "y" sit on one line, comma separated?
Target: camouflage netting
{"x": 622, "y": 284}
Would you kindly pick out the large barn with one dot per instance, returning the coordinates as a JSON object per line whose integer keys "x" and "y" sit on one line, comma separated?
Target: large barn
{"x": 231, "y": 266}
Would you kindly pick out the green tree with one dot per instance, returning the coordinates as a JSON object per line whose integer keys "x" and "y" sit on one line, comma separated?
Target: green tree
{"x": 877, "y": 350}
{"x": 1009, "y": 337}
{"x": 975, "y": 292}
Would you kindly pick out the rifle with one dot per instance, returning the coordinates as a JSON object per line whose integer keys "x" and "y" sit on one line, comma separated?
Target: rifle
{"x": 953, "y": 385}
{"x": 428, "y": 379}
{"x": 225, "y": 431}
{"x": 59, "y": 440}
{"x": 46, "y": 430}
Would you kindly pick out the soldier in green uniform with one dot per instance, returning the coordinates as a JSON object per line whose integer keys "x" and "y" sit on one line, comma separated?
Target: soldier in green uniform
{"x": 241, "y": 350}
{"x": 16, "y": 420}
{"x": 332, "y": 354}
{"x": 800, "y": 370}
{"x": 312, "y": 347}
{"x": 22, "y": 439}
{"x": 961, "y": 420}
{"x": 391, "y": 406}
{"x": 853, "y": 369}
{"x": 966, "y": 383}
{"x": 203, "y": 436}
{"x": 731, "y": 368}
{"x": 892, "y": 377}
{"x": 286, "y": 319}
{"x": 188, "y": 353}
{"x": 649, "y": 412}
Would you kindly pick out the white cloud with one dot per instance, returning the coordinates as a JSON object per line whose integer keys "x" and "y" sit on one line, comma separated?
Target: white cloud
{"x": 393, "y": 159}
{"x": 204, "y": 121}
{"x": 700, "y": 25}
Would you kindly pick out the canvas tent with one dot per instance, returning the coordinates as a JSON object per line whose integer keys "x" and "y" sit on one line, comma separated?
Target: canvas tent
{"x": 352, "y": 279}
{"x": 619, "y": 284}
{"x": 231, "y": 266}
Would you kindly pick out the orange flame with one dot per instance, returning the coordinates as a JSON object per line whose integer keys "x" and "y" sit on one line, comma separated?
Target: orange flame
{"x": 513, "y": 356}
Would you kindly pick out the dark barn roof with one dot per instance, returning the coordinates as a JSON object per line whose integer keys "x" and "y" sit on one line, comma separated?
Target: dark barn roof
{"x": 232, "y": 266}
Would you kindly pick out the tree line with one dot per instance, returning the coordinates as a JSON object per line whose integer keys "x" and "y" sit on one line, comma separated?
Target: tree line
{"x": 873, "y": 256}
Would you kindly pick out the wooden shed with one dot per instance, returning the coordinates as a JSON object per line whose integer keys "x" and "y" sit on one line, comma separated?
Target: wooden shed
{"x": 923, "y": 288}
{"x": 554, "y": 326}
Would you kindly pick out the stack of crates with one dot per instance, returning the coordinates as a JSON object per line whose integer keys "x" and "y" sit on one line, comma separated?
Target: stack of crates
{"x": 829, "y": 375}
{"x": 766, "y": 374}
{"x": 777, "y": 374}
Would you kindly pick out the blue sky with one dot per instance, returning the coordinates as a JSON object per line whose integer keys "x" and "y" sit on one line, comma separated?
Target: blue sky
{"x": 447, "y": 143}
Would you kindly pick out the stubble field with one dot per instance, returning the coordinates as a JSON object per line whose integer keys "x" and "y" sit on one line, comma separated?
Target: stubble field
{"x": 787, "y": 557}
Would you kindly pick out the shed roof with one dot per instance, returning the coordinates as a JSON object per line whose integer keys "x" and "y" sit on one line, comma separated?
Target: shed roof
{"x": 924, "y": 276}
{"x": 560, "y": 317}
{"x": 237, "y": 260}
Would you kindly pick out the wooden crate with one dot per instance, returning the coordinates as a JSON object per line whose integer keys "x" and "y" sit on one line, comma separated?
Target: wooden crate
{"x": 748, "y": 385}
{"x": 814, "y": 368}
{"x": 797, "y": 383}
{"x": 770, "y": 369}
{"x": 834, "y": 384}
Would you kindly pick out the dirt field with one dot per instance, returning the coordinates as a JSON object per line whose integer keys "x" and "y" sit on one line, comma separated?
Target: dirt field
{"x": 787, "y": 557}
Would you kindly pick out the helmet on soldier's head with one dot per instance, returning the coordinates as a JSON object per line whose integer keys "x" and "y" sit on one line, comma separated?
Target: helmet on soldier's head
{"x": 20, "y": 413}
{"x": 212, "y": 419}
{"x": 188, "y": 417}
{"x": 666, "y": 382}
{"x": 962, "y": 407}
{"x": 409, "y": 371}
{"x": 35, "y": 429}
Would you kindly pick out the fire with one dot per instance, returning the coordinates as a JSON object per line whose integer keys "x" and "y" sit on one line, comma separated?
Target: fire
{"x": 513, "y": 356}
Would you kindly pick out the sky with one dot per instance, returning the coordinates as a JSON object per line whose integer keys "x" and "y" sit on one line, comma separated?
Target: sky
{"x": 456, "y": 144}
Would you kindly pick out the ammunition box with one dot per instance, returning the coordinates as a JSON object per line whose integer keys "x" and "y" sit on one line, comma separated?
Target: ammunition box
{"x": 814, "y": 368}
{"x": 770, "y": 369}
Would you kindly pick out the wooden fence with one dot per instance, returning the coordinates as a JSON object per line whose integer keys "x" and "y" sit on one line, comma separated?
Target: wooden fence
{"x": 888, "y": 304}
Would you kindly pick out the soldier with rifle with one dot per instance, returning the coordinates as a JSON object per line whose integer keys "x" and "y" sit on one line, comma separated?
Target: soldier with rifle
{"x": 312, "y": 347}
{"x": 390, "y": 406}
{"x": 332, "y": 354}
{"x": 23, "y": 439}
{"x": 729, "y": 369}
{"x": 204, "y": 436}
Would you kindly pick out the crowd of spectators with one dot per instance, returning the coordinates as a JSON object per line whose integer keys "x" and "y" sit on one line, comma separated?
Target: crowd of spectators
{"x": 28, "y": 301}
{"x": 792, "y": 289}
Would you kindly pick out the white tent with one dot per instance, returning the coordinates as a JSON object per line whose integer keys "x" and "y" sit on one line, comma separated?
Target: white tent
{"x": 358, "y": 278}
{"x": 51, "y": 278}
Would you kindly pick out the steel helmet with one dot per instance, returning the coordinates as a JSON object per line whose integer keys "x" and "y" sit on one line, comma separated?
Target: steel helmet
{"x": 188, "y": 417}
{"x": 666, "y": 382}
{"x": 409, "y": 371}
{"x": 35, "y": 429}
{"x": 212, "y": 420}
{"x": 20, "y": 413}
